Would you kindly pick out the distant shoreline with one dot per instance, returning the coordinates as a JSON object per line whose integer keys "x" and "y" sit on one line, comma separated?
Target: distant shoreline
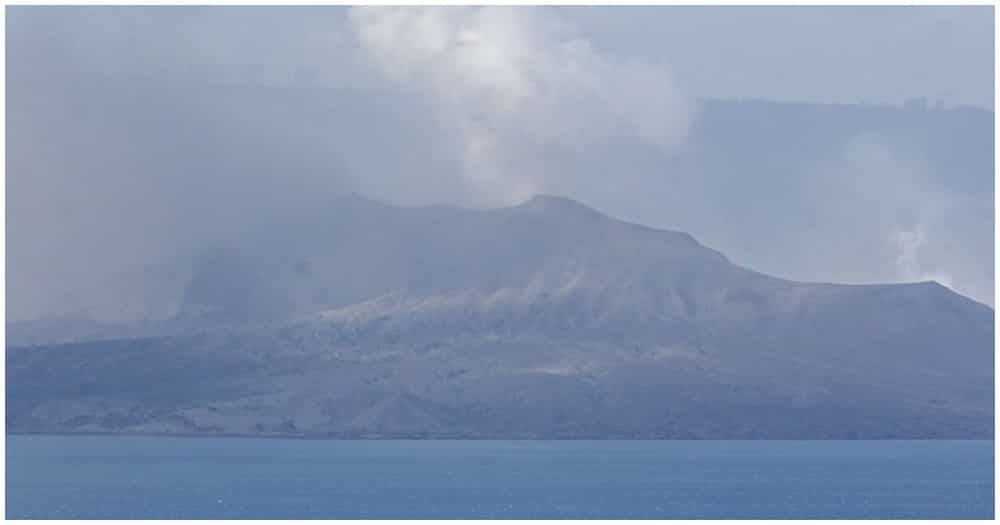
{"x": 450, "y": 438}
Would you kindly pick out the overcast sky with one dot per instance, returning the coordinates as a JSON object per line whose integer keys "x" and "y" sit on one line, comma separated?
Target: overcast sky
{"x": 825, "y": 54}
{"x": 137, "y": 135}
{"x": 829, "y": 54}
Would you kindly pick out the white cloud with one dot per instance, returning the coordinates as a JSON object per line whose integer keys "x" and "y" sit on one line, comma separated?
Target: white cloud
{"x": 507, "y": 78}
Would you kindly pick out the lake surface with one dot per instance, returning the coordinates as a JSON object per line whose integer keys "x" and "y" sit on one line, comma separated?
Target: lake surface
{"x": 230, "y": 478}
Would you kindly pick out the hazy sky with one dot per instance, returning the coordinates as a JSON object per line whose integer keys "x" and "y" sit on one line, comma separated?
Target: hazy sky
{"x": 828, "y": 54}
{"x": 825, "y": 54}
{"x": 138, "y": 135}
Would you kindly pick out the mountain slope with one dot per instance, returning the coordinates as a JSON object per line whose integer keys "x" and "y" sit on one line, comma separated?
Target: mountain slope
{"x": 546, "y": 319}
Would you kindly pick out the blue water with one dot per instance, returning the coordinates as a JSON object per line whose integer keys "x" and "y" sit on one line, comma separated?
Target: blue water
{"x": 158, "y": 477}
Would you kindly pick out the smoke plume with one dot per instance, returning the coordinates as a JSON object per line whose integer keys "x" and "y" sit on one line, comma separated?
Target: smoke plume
{"x": 505, "y": 80}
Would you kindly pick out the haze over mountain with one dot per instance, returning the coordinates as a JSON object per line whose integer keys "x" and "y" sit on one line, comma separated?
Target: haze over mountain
{"x": 546, "y": 319}
{"x": 467, "y": 221}
{"x": 831, "y": 193}
{"x": 138, "y": 137}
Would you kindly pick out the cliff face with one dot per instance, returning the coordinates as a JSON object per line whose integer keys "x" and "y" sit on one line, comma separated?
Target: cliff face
{"x": 546, "y": 319}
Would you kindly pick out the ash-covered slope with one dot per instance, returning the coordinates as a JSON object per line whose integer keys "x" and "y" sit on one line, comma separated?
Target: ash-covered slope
{"x": 546, "y": 319}
{"x": 356, "y": 250}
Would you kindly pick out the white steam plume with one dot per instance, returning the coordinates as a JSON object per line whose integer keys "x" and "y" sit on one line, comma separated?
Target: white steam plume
{"x": 506, "y": 78}
{"x": 908, "y": 244}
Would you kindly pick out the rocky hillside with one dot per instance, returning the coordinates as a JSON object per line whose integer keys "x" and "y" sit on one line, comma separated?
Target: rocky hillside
{"x": 542, "y": 320}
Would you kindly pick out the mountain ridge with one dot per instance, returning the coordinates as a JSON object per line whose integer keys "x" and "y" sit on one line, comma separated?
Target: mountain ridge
{"x": 543, "y": 320}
